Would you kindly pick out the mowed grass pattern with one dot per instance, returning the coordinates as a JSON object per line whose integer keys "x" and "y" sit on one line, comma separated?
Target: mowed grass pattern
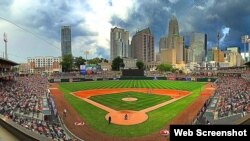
{"x": 157, "y": 84}
{"x": 115, "y": 101}
{"x": 157, "y": 119}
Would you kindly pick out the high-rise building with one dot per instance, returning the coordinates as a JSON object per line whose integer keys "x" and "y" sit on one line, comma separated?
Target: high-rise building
{"x": 66, "y": 40}
{"x": 218, "y": 55}
{"x": 158, "y": 57}
{"x": 119, "y": 43}
{"x": 162, "y": 43}
{"x": 234, "y": 49}
{"x": 168, "y": 56}
{"x": 185, "y": 54}
{"x": 173, "y": 40}
{"x": 210, "y": 55}
{"x": 233, "y": 58}
{"x": 142, "y": 46}
{"x": 198, "y": 46}
{"x": 173, "y": 28}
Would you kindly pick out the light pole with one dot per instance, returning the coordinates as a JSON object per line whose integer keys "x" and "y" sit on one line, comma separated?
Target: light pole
{"x": 245, "y": 40}
{"x": 218, "y": 38}
{"x": 248, "y": 42}
{"x": 5, "y": 40}
{"x": 86, "y": 53}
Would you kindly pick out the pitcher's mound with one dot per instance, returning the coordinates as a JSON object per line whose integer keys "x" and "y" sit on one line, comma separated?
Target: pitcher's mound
{"x": 129, "y": 99}
{"x": 133, "y": 117}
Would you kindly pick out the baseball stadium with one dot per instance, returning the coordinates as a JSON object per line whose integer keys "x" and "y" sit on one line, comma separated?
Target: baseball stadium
{"x": 124, "y": 70}
{"x": 112, "y": 106}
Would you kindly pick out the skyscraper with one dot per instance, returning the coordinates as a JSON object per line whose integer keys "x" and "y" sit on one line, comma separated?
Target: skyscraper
{"x": 66, "y": 40}
{"x": 198, "y": 46}
{"x": 173, "y": 40}
{"x": 162, "y": 44}
{"x": 168, "y": 56}
{"x": 142, "y": 46}
{"x": 119, "y": 43}
{"x": 173, "y": 28}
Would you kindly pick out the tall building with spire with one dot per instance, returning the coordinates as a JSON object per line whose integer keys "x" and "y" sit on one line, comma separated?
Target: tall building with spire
{"x": 173, "y": 41}
{"x": 142, "y": 46}
{"x": 173, "y": 27}
{"x": 119, "y": 43}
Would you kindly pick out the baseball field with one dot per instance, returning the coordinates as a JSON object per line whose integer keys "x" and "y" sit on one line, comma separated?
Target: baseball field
{"x": 159, "y": 100}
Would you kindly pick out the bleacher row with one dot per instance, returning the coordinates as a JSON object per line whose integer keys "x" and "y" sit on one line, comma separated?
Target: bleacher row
{"x": 21, "y": 100}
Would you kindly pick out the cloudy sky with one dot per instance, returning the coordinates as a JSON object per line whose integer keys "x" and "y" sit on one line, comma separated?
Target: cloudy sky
{"x": 33, "y": 26}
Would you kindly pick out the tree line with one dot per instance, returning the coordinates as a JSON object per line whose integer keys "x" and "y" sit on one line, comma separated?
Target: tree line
{"x": 70, "y": 63}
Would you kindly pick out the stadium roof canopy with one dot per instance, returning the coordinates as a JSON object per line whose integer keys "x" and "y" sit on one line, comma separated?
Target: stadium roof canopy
{"x": 8, "y": 62}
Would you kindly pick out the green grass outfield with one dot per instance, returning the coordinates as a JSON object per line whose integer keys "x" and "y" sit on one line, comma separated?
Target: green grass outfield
{"x": 94, "y": 116}
{"x": 144, "y": 101}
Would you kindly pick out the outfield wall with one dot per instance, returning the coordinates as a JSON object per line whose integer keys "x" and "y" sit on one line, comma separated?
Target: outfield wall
{"x": 204, "y": 79}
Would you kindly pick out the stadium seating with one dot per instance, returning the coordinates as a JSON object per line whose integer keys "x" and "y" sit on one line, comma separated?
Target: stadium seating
{"x": 21, "y": 100}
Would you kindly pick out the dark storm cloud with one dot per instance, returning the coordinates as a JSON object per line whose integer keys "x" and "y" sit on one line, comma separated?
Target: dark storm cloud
{"x": 236, "y": 16}
{"x": 193, "y": 16}
{"x": 153, "y": 14}
{"x": 230, "y": 13}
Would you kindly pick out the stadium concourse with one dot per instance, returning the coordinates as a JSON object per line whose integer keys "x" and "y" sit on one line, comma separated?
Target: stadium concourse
{"x": 26, "y": 101}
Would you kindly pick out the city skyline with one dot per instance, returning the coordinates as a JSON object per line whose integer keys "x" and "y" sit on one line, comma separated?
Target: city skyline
{"x": 92, "y": 20}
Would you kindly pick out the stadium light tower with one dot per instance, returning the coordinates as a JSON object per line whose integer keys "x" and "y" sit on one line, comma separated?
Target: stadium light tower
{"x": 245, "y": 40}
{"x": 248, "y": 41}
{"x": 86, "y": 53}
{"x": 5, "y": 41}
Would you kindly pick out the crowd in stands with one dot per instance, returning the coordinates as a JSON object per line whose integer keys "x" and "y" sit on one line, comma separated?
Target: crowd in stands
{"x": 6, "y": 74}
{"x": 246, "y": 75}
{"x": 233, "y": 96}
{"x": 21, "y": 101}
